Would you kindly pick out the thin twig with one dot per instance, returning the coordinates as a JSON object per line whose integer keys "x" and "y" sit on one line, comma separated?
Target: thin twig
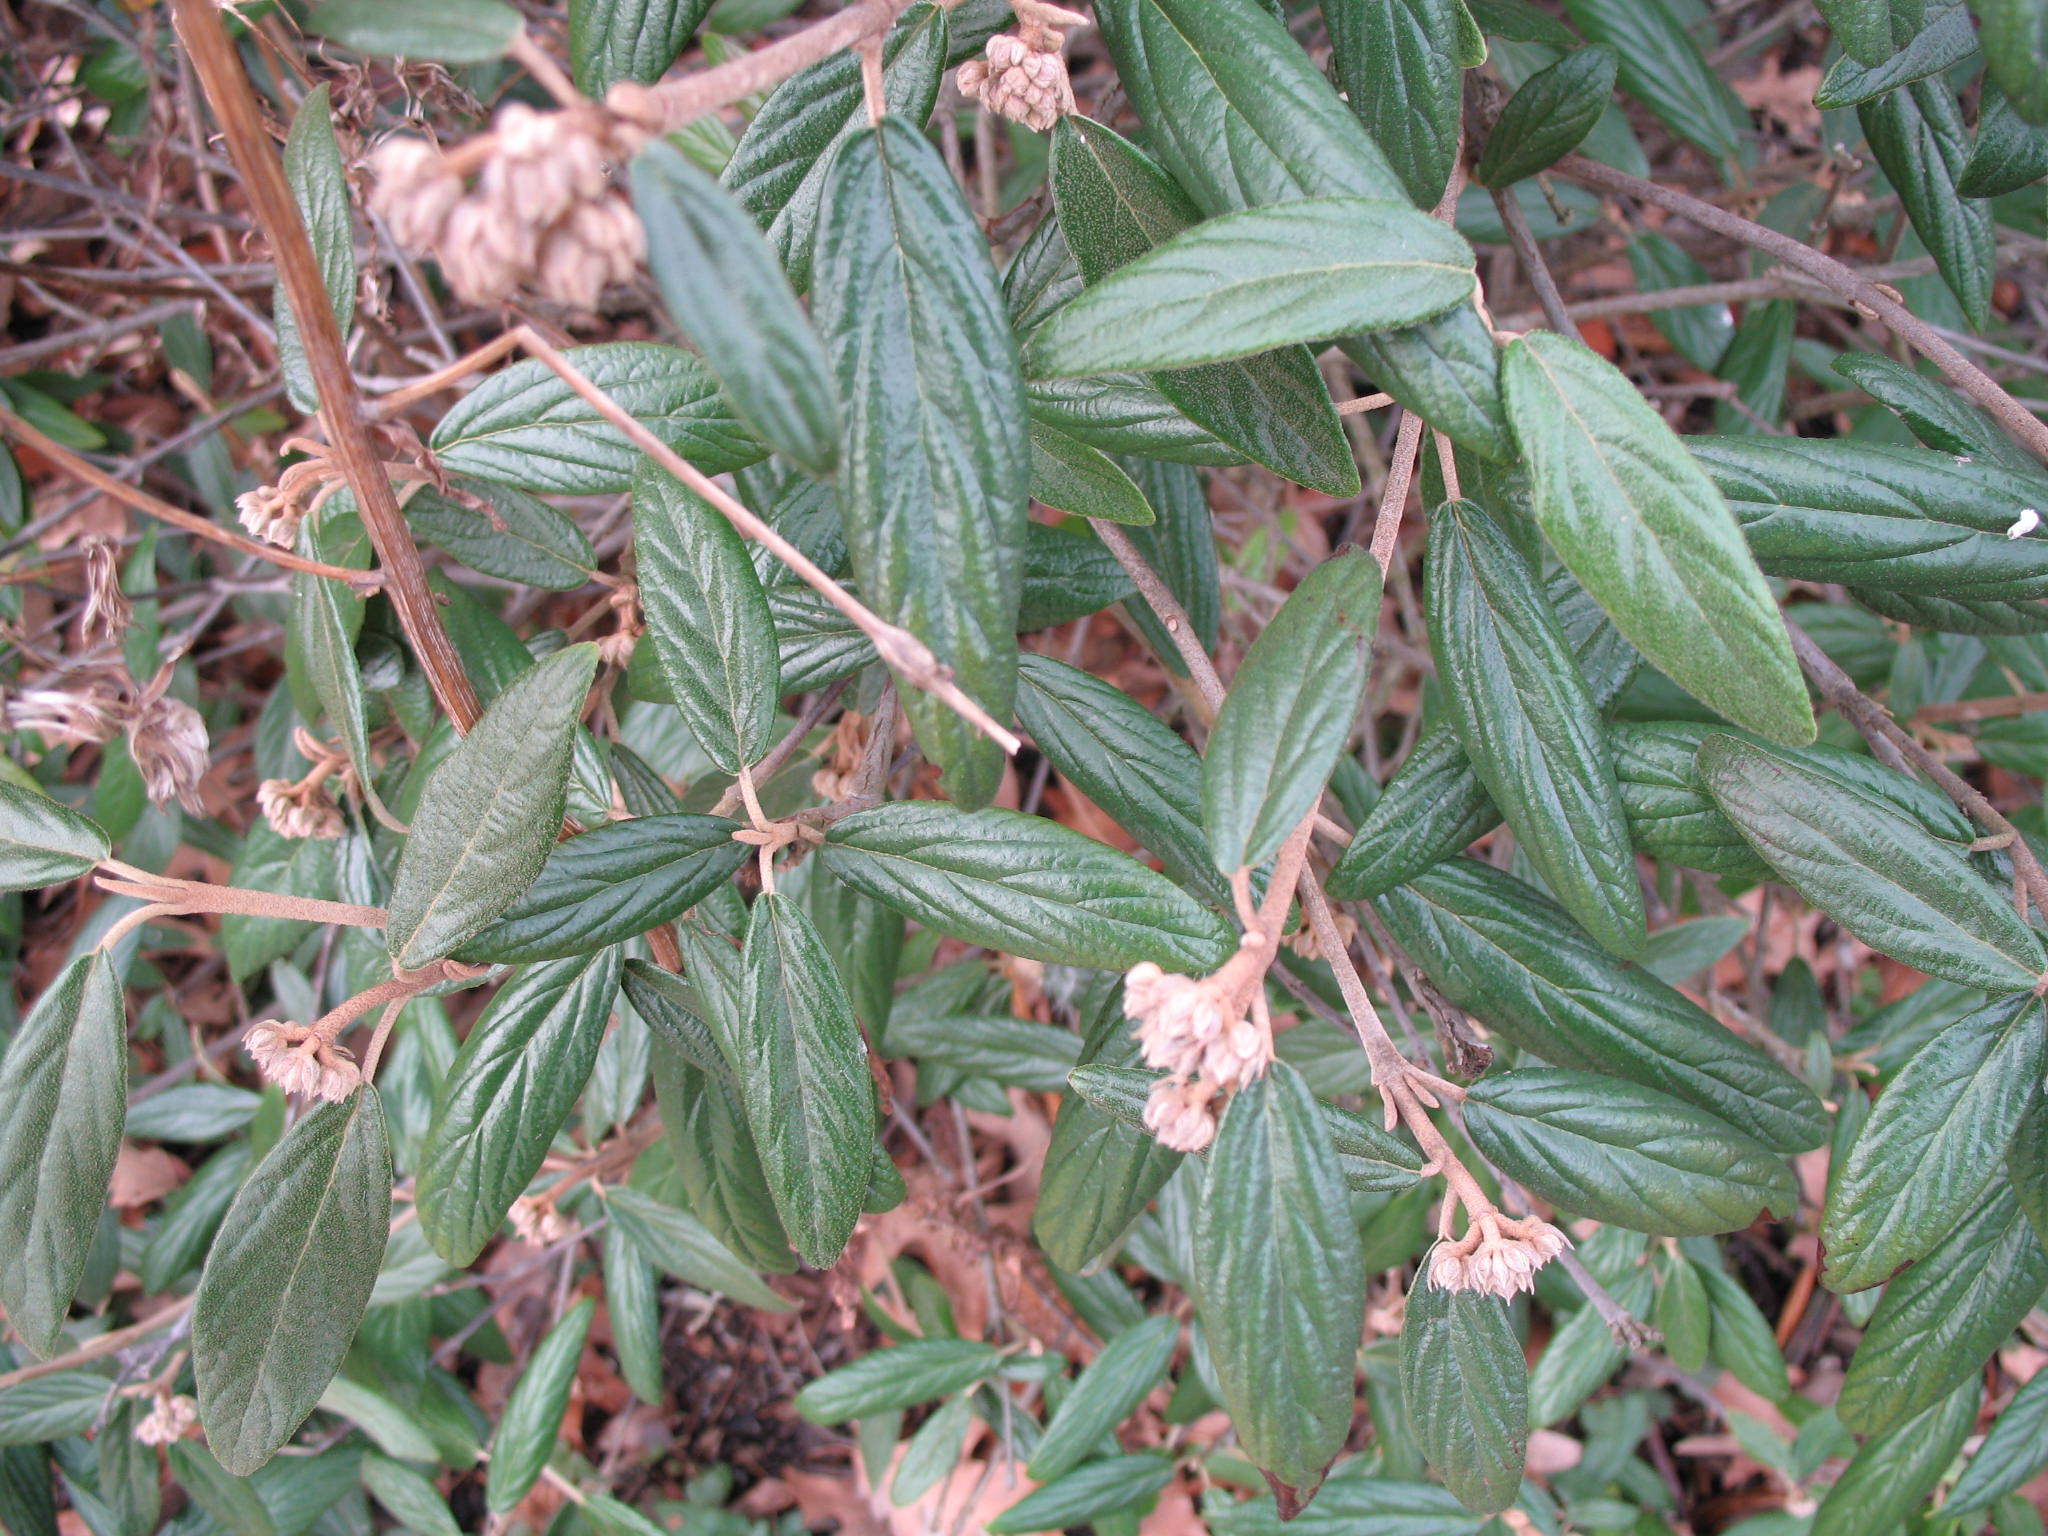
{"x": 1167, "y": 608}
{"x": 1516, "y": 223}
{"x": 1386, "y": 527}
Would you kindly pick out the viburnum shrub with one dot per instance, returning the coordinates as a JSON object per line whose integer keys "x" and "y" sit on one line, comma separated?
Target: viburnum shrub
{"x": 1142, "y": 732}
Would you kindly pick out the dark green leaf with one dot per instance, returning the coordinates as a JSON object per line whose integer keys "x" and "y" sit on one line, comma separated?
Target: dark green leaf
{"x": 1507, "y": 955}
{"x": 324, "y": 623}
{"x": 1349, "y": 1506}
{"x": 230, "y": 1499}
{"x": 1663, "y": 68}
{"x": 191, "y": 1217}
{"x": 778, "y": 170}
{"x": 63, "y": 1100}
{"x": 506, "y": 1094}
{"x": 1289, "y": 712}
{"x": 1279, "y": 1282}
{"x": 1466, "y": 1384}
{"x": 1549, "y": 116}
{"x": 1397, "y": 63}
{"x": 679, "y": 1243}
{"x": 1917, "y": 134}
{"x": 716, "y": 1158}
{"x": 1520, "y": 21}
{"x": 524, "y": 426}
{"x": 1756, "y": 363}
{"x": 490, "y": 812}
{"x": 1529, "y": 723}
{"x": 1862, "y": 27}
{"x": 460, "y": 32}
{"x": 808, "y": 1096}
{"x": 312, "y": 165}
{"x": 1700, "y": 332}
{"x": 2014, "y": 36}
{"x": 1626, "y": 1154}
{"x": 1933, "y": 1144}
{"x": 707, "y": 617}
{"x": 1896, "y": 1470}
{"x": 936, "y": 460}
{"x": 1434, "y": 806}
{"x": 2011, "y": 1454}
{"x": 408, "y": 1495}
{"x": 1125, "y": 413}
{"x": 52, "y": 1407}
{"x": 725, "y": 288}
{"x": 1104, "y": 1395}
{"x": 1943, "y": 1318}
{"x": 2008, "y": 153}
{"x": 1069, "y": 476}
{"x": 1742, "y": 1337}
{"x": 1669, "y": 815}
{"x": 1959, "y": 616}
{"x": 1933, "y": 412}
{"x": 1648, "y": 535}
{"x": 1684, "y": 1315}
{"x": 1247, "y": 282}
{"x": 44, "y": 843}
{"x": 1023, "y": 885}
{"x": 289, "y": 1277}
{"x": 1946, "y": 38}
{"x": 532, "y": 1422}
{"x": 634, "y": 1311}
{"x": 1068, "y": 575}
{"x": 1014, "y": 1052}
{"x": 516, "y": 536}
{"x": 1115, "y": 204}
{"x": 1181, "y": 547}
{"x": 1879, "y": 874}
{"x": 1446, "y": 370}
{"x": 1086, "y": 1495}
{"x": 614, "y": 40}
{"x": 902, "y": 1377}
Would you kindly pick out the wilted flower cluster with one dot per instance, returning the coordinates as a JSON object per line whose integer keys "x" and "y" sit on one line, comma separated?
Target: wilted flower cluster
{"x": 542, "y": 213}
{"x": 273, "y": 512}
{"x": 537, "y": 1221}
{"x": 297, "y": 808}
{"x": 80, "y": 706}
{"x": 1498, "y": 1255}
{"x": 168, "y": 741}
{"x": 1198, "y": 1035}
{"x": 107, "y": 612}
{"x": 90, "y": 705}
{"x": 1021, "y": 75}
{"x": 299, "y": 1060}
{"x": 173, "y": 1418}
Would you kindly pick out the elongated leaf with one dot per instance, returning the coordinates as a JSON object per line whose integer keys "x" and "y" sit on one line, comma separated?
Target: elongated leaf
{"x": 725, "y": 288}
{"x": 1862, "y": 27}
{"x": 1086, "y": 1495}
{"x": 1943, "y": 1318}
{"x": 1397, "y": 63}
{"x": 63, "y": 1099}
{"x": 1181, "y": 547}
{"x": 1124, "y": 413}
{"x": 1670, "y": 816}
{"x": 462, "y": 32}
{"x": 1957, "y": 616}
{"x": 2008, "y": 153}
{"x": 708, "y": 618}
{"x": 935, "y": 459}
{"x": 1549, "y": 116}
{"x": 2026, "y": 1165}
{"x": 507, "y": 1093}
{"x": 716, "y": 1158}
{"x": 1583, "y": 1353}
{"x": 1881, "y": 517}
{"x": 520, "y": 537}
{"x": 1447, "y": 370}
{"x": 289, "y": 1277}
{"x": 312, "y": 164}
{"x": 1663, "y": 68}
{"x": 1626, "y": 1154}
{"x": 1510, "y": 957}
{"x": 1896, "y": 1470}
{"x": 44, "y": 843}
{"x": 526, "y": 1435}
{"x": 51, "y": 1407}
{"x": 1933, "y": 1144}
{"x": 1248, "y": 282}
{"x": 2011, "y": 1454}
{"x": 1104, "y": 1395}
{"x": 679, "y": 1243}
{"x": 230, "y": 1499}
{"x": 1649, "y": 537}
{"x": 1024, "y": 885}
{"x": 1934, "y": 413}
{"x": 614, "y": 40}
{"x": 490, "y": 812}
{"x": 1068, "y": 475}
{"x": 606, "y": 885}
{"x": 524, "y": 426}
{"x": 325, "y": 628}
{"x": 1124, "y": 758}
{"x": 902, "y": 1377}
{"x": 1943, "y": 37}
{"x": 1279, "y": 1282}
{"x": 1873, "y": 870}
{"x": 1917, "y": 134}
{"x": 1466, "y": 1384}
{"x": 1684, "y": 1315}
{"x": 2014, "y": 36}
{"x": 1431, "y": 809}
{"x": 410, "y": 1496}
{"x": 809, "y": 1099}
{"x": 1116, "y": 203}
{"x": 1235, "y": 109}
{"x": 1014, "y": 1052}
{"x": 1351, "y": 1506}
{"x": 1289, "y": 711}
{"x": 778, "y": 169}
{"x": 1529, "y": 723}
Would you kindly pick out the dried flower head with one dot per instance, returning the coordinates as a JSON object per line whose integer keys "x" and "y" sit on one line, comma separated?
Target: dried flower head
{"x": 173, "y": 1418}
{"x": 1498, "y": 1255}
{"x": 536, "y": 1221}
{"x": 273, "y": 513}
{"x": 107, "y": 614}
{"x": 300, "y": 809}
{"x": 168, "y": 741}
{"x": 80, "y": 706}
{"x": 1021, "y": 76}
{"x": 299, "y": 1060}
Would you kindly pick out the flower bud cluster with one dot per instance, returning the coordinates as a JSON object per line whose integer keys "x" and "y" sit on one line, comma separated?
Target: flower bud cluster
{"x": 1498, "y": 1255}
{"x": 1021, "y": 76}
{"x": 299, "y": 1060}
{"x": 173, "y": 1418}
{"x": 1195, "y": 1032}
{"x": 542, "y": 214}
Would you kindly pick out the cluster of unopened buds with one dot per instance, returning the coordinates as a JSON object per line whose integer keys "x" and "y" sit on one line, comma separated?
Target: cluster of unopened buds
{"x": 1195, "y": 1031}
{"x": 535, "y": 1220}
{"x": 542, "y": 214}
{"x": 172, "y": 1418}
{"x": 303, "y": 807}
{"x": 1021, "y": 75}
{"x": 1498, "y": 1255}
{"x": 91, "y": 704}
{"x": 300, "y": 1059}
{"x": 273, "y": 512}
